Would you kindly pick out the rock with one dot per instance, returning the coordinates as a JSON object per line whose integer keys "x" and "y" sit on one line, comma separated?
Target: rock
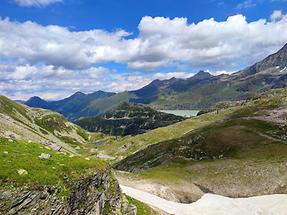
{"x": 132, "y": 210}
{"x": 5, "y": 195}
{"x": 44, "y": 156}
{"x": 97, "y": 194}
{"x": 56, "y": 147}
{"x": 22, "y": 172}
{"x": 10, "y": 135}
{"x": 53, "y": 145}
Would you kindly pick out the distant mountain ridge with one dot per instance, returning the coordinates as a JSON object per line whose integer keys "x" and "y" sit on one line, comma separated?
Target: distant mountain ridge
{"x": 201, "y": 91}
{"x": 72, "y": 106}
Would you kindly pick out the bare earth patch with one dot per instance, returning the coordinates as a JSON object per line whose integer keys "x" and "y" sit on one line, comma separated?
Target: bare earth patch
{"x": 277, "y": 116}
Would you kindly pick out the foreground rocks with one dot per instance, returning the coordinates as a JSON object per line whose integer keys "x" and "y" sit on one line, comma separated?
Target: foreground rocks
{"x": 98, "y": 194}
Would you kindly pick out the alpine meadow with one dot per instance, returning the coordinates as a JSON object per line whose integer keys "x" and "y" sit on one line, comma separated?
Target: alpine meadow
{"x": 143, "y": 107}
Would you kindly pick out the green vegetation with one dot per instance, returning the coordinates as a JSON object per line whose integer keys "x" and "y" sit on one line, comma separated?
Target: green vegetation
{"x": 231, "y": 139}
{"x": 56, "y": 171}
{"x": 142, "y": 209}
{"x": 72, "y": 107}
{"x": 128, "y": 119}
{"x": 12, "y": 108}
{"x": 41, "y": 126}
{"x": 121, "y": 147}
{"x": 52, "y": 122}
{"x": 242, "y": 153}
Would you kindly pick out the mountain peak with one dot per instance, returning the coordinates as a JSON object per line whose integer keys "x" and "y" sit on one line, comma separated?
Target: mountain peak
{"x": 201, "y": 75}
{"x": 78, "y": 94}
{"x": 285, "y": 46}
{"x": 278, "y": 59}
{"x": 36, "y": 101}
{"x": 35, "y": 98}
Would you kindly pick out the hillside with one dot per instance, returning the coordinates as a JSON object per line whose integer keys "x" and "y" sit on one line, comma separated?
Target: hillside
{"x": 37, "y": 180}
{"x": 43, "y": 170}
{"x": 72, "y": 107}
{"x": 201, "y": 91}
{"x": 238, "y": 155}
{"x": 128, "y": 119}
{"x": 204, "y": 90}
{"x": 37, "y": 125}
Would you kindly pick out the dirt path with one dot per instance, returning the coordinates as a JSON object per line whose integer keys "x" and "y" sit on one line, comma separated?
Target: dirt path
{"x": 211, "y": 204}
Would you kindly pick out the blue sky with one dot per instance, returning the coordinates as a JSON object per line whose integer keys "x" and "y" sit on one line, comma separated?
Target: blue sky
{"x": 126, "y": 14}
{"x": 53, "y": 48}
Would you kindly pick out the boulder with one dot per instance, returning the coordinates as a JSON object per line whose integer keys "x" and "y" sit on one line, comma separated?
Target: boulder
{"x": 44, "y": 156}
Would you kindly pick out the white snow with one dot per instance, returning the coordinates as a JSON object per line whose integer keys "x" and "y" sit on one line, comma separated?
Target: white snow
{"x": 211, "y": 204}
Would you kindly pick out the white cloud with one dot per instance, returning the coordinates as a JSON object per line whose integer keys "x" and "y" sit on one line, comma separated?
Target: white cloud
{"x": 162, "y": 76}
{"x": 53, "y": 60}
{"x": 36, "y": 3}
{"x": 161, "y": 42}
{"x": 276, "y": 15}
{"x": 52, "y": 82}
{"x": 219, "y": 45}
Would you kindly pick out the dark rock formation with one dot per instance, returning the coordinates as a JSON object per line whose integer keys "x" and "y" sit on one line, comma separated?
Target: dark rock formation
{"x": 98, "y": 194}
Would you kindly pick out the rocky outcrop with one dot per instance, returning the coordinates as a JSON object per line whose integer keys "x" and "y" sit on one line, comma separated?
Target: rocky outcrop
{"x": 98, "y": 194}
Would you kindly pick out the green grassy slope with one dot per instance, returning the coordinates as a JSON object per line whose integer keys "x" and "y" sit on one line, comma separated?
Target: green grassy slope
{"x": 242, "y": 154}
{"x": 120, "y": 147}
{"x": 21, "y": 155}
{"x": 18, "y": 121}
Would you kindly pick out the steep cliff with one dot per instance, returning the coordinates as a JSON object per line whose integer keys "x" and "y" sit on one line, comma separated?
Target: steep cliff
{"x": 97, "y": 194}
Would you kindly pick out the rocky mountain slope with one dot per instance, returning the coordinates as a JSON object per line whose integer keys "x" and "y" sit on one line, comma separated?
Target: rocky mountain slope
{"x": 198, "y": 92}
{"x": 37, "y": 125}
{"x": 242, "y": 153}
{"x": 128, "y": 119}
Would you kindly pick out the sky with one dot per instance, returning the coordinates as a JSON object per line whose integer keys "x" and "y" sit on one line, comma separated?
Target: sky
{"x": 53, "y": 48}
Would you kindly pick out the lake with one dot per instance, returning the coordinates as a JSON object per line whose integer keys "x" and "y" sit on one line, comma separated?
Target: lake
{"x": 184, "y": 113}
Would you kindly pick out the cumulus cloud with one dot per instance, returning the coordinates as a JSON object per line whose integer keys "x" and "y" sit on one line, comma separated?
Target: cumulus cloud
{"x": 168, "y": 75}
{"x": 52, "y": 82}
{"x": 36, "y": 3}
{"x": 161, "y": 42}
{"x": 55, "y": 45}
{"x": 68, "y": 61}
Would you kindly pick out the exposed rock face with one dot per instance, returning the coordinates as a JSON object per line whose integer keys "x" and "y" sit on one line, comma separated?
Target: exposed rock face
{"x": 98, "y": 194}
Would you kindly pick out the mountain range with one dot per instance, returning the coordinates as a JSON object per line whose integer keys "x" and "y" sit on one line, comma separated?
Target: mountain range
{"x": 201, "y": 91}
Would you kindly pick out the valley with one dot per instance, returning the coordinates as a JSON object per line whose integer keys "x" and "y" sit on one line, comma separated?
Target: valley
{"x": 236, "y": 156}
{"x": 230, "y": 155}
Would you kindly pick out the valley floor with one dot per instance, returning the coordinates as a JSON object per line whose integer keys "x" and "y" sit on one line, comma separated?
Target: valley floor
{"x": 211, "y": 204}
